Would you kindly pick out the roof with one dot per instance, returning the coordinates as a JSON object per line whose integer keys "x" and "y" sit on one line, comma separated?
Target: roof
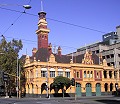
{"x": 43, "y": 54}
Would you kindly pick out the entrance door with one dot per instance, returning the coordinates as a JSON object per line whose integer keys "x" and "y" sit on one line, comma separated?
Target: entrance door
{"x": 98, "y": 89}
{"x": 78, "y": 89}
{"x": 88, "y": 89}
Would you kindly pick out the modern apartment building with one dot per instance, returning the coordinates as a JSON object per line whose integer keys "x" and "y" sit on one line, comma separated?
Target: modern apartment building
{"x": 108, "y": 49}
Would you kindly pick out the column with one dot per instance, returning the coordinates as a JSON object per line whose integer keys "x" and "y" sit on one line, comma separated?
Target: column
{"x": 102, "y": 74}
{"x": 56, "y": 71}
{"x": 118, "y": 74}
{"x": 112, "y": 74}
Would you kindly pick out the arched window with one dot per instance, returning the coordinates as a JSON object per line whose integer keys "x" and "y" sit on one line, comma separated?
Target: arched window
{"x": 88, "y": 74}
{"x": 91, "y": 74}
{"x": 84, "y": 74}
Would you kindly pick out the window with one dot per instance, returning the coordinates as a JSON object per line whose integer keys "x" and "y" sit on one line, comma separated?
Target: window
{"x": 84, "y": 74}
{"x": 43, "y": 73}
{"x": 103, "y": 57}
{"x": 118, "y": 55}
{"x": 42, "y": 36}
{"x": 108, "y": 64}
{"x": 52, "y": 73}
{"x": 78, "y": 75}
{"x": 91, "y": 74}
{"x": 60, "y": 73}
{"x": 88, "y": 74}
{"x": 67, "y": 74}
{"x": 112, "y": 55}
{"x": 97, "y": 75}
{"x": 97, "y": 51}
{"x": 108, "y": 56}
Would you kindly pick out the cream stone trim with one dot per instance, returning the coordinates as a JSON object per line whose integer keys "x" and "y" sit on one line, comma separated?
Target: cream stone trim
{"x": 67, "y": 70}
{"x": 43, "y": 69}
{"x": 52, "y": 69}
{"x": 60, "y": 69}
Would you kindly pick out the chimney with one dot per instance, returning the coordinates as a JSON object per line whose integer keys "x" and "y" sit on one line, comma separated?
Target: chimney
{"x": 50, "y": 48}
{"x": 59, "y": 51}
{"x": 34, "y": 50}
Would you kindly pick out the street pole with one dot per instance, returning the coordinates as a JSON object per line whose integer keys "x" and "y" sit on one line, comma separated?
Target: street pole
{"x": 6, "y": 90}
{"x": 75, "y": 90}
{"x": 17, "y": 79}
{"x": 47, "y": 80}
{"x": 19, "y": 83}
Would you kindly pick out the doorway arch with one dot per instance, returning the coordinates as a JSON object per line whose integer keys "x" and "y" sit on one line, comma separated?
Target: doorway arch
{"x": 98, "y": 89}
{"x": 88, "y": 89}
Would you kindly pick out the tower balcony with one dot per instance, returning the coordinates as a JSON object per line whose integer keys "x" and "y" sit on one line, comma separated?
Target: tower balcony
{"x": 42, "y": 30}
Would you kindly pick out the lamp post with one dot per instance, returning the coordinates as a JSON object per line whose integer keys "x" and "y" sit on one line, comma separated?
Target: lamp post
{"x": 18, "y": 68}
{"x": 24, "y": 6}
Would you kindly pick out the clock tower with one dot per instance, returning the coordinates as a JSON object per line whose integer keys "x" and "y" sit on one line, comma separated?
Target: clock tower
{"x": 42, "y": 31}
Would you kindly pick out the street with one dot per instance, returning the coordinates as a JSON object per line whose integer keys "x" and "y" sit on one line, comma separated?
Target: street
{"x": 80, "y": 100}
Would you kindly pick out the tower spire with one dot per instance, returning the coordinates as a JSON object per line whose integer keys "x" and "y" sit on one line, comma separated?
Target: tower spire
{"x": 42, "y": 31}
{"x": 41, "y": 5}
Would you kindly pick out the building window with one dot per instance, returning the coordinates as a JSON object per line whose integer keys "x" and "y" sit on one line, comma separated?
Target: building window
{"x": 112, "y": 55}
{"x": 103, "y": 57}
{"x": 84, "y": 74}
{"x": 78, "y": 75}
{"x": 118, "y": 55}
{"x": 108, "y": 64}
{"x": 43, "y": 73}
{"x": 91, "y": 74}
{"x": 108, "y": 56}
{"x": 97, "y": 75}
{"x": 97, "y": 51}
{"x": 52, "y": 73}
{"x": 67, "y": 74}
{"x": 60, "y": 73}
{"x": 88, "y": 74}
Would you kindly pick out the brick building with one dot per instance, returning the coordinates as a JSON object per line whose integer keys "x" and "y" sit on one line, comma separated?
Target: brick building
{"x": 92, "y": 78}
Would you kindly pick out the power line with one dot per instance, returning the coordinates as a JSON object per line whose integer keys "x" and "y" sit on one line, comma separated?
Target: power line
{"x": 16, "y": 18}
{"x": 13, "y": 23}
{"x": 58, "y": 21}
{"x": 34, "y": 42}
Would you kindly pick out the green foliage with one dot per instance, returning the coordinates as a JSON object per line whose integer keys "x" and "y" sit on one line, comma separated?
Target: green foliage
{"x": 8, "y": 58}
{"x": 61, "y": 81}
{"x": 8, "y": 54}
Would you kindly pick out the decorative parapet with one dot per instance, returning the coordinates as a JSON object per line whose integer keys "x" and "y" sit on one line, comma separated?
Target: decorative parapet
{"x": 27, "y": 59}
{"x": 52, "y": 59}
{"x": 87, "y": 58}
{"x": 105, "y": 63}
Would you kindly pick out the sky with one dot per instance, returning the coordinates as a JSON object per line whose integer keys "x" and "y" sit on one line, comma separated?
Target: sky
{"x": 72, "y": 23}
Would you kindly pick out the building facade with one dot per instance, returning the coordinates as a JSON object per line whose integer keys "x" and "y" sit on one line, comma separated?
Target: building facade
{"x": 92, "y": 78}
{"x": 108, "y": 49}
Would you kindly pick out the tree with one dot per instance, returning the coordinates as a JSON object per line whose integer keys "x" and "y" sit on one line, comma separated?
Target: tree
{"x": 60, "y": 82}
{"x": 8, "y": 57}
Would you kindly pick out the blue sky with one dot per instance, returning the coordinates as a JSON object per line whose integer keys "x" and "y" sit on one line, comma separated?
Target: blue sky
{"x": 101, "y": 15}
